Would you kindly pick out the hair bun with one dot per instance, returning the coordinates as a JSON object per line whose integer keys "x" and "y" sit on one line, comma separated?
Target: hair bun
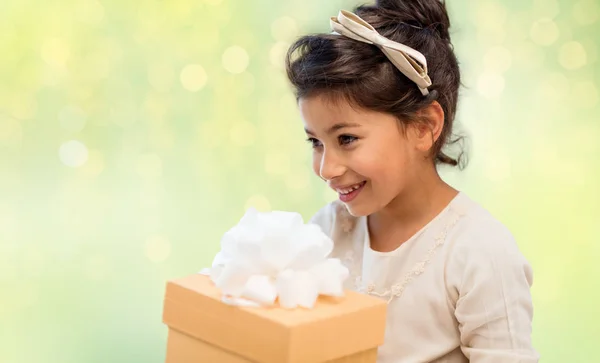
{"x": 429, "y": 14}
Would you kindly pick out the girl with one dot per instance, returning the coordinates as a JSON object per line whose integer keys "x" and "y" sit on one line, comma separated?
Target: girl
{"x": 378, "y": 98}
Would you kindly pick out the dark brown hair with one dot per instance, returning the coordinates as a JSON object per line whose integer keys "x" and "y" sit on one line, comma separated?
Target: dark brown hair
{"x": 339, "y": 67}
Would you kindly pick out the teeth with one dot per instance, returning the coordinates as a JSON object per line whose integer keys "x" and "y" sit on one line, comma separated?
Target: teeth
{"x": 349, "y": 190}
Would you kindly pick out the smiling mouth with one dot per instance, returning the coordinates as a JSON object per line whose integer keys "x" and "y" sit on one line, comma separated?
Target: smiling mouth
{"x": 348, "y": 194}
{"x": 350, "y": 189}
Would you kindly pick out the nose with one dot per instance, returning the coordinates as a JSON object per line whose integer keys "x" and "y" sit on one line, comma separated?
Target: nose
{"x": 331, "y": 166}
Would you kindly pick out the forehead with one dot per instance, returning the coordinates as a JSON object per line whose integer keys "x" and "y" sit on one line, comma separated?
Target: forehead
{"x": 322, "y": 109}
{"x": 321, "y": 113}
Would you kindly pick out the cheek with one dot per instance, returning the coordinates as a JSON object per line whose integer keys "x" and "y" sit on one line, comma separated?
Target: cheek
{"x": 387, "y": 161}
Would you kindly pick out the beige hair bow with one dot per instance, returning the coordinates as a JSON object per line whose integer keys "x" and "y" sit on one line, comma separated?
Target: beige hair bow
{"x": 409, "y": 61}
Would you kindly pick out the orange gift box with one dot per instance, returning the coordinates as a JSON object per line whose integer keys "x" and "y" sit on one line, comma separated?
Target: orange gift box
{"x": 203, "y": 329}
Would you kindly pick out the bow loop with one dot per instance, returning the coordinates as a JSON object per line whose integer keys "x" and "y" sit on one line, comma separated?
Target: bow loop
{"x": 275, "y": 256}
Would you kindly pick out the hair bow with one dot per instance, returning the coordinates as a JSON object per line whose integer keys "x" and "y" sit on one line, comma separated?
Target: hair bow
{"x": 409, "y": 61}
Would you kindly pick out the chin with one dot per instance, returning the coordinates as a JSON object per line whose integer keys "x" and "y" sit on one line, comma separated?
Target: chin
{"x": 359, "y": 210}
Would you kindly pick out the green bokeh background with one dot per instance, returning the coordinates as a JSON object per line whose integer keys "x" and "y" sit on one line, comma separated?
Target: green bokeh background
{"x": 133, "y": 134}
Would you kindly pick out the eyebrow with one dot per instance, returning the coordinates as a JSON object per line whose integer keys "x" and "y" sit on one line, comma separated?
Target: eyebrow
{"x": 336, "y": 127}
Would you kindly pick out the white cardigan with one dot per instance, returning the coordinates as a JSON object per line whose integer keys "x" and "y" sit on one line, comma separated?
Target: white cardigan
{"x": 458, "y": 290}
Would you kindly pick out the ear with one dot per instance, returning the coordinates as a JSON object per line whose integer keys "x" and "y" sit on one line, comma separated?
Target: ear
{"x": 428, "y": 131}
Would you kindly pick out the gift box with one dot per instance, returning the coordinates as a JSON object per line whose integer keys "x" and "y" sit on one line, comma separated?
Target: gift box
{"x": 205, "y": 329}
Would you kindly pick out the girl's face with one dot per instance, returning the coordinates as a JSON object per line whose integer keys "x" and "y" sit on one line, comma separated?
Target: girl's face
{"x": 363, "y": 155}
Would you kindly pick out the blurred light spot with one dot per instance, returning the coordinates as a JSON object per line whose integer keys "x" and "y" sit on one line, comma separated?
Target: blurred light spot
{"x": 572, "y": 55}
{"x": 584, "y": 94}
{"x": 95, "y": 164}
{"x": 277, "y": 163}
{"x": 544, "y": 32}
{"x": 258, "y": 202}
{"x": 11, "y": 132}
{"x": 490, "y": 84}
{"x": 72, "y": 118}
{"x": 298, "y": 180}
{"x": 235, "y": 59}
{"x": 97, "y": 268}
{"x": 554, "y": 87}
{"x": 193, "y": 77}
{"x": 149, "y": 166}
{"x": 243, "y": 133}
{"x": 277, "y": 54}
{"x": 545, "y": 8}
{"x": 55, "y": 52}
{"x": 158, "y": 249}
{"x": 161, "y": 77}
{"x": 210, "y": 134}
{"x": 497, "y": 59}
{"x": 73, "y": 153}
{"x": 89, "y": 11}
{"x": 586, "y": 12}
{"x": 284, "y": 29}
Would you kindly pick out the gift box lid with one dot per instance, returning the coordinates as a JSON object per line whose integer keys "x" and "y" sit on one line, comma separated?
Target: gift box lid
{"x": 334, "y": 328}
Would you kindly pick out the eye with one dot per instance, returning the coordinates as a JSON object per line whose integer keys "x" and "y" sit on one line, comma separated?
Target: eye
{"x": 347, "y": 139}
{"x": 314, "y": 142}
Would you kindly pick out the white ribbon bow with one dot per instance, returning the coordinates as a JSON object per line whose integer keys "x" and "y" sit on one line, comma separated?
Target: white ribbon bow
{"x": 274, "y": 255}
{"x": 409, "y": 61}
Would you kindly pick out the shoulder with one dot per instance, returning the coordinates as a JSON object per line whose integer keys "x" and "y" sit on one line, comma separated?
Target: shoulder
{"x": 478, "y": 230}
{"x": 481, "y": 243}
{"x": 334, "y": 217}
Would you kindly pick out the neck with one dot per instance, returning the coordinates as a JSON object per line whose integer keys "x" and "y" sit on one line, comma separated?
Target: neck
{"x": 409, "y": 212}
